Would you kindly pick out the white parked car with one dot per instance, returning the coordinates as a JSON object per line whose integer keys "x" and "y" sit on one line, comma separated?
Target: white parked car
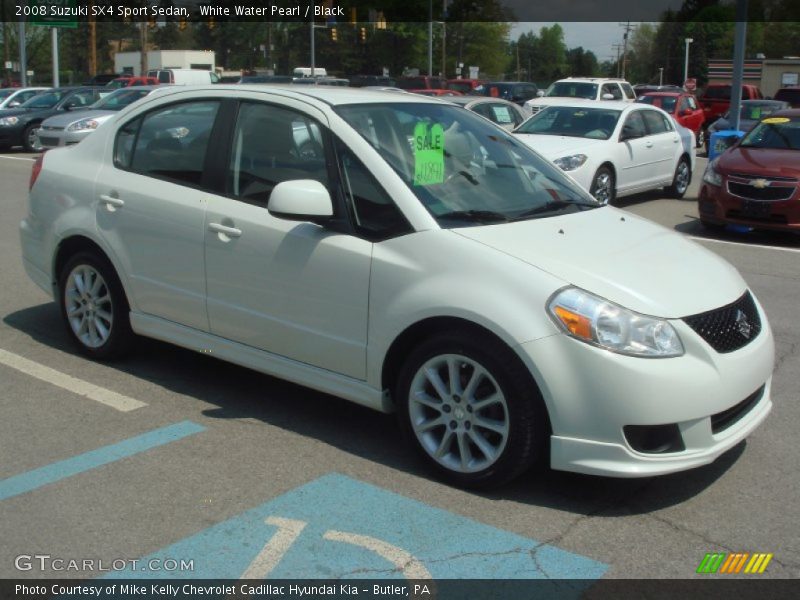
{"x": 614, "y": 149}
{"x": 585, "y": 88}
{"x": 412, "y": 257}
{"x": 14, "y": 97}
{"x": 70, "y": 128}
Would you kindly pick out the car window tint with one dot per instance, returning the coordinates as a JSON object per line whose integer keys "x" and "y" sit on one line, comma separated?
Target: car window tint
{"x": 372, "y": 210}
{"x": 634, "y": 125}
{"x": 172, "y": 142}
{"x": 270, "y": 145}
{"x": 629, "y": 93}
{"x": 655, "y": 124}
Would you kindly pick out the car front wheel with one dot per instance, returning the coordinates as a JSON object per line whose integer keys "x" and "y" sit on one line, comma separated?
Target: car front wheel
{"x": 603, "y": 186}
{"x": 680, "y": 180}
{"x": 94, "y": 307}
{"x": 471, "y": 409}
{"x": 30, "y": 138}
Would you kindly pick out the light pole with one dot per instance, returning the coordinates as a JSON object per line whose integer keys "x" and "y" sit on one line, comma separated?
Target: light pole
{"x": 660, "y": 76}
{"x": 686, "y": 59}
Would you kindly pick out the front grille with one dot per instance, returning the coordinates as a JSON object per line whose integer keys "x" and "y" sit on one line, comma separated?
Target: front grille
{"x": 728, "y": 328}
{"x": 722, "y": 420}
{"x": 52, "y": 128}
{"x": 48, "y": 141}
{"x": 774, "y": 219}
{"x": 748, "y": 177}
{"x": 770, "y": 193}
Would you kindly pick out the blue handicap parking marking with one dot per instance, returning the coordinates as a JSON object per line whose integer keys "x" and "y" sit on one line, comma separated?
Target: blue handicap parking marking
{"x": 337, "y": 527}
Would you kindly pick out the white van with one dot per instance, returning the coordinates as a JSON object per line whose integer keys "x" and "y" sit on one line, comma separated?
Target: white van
{"x": 306, "y": 72}
{"x": 184, "y": 76}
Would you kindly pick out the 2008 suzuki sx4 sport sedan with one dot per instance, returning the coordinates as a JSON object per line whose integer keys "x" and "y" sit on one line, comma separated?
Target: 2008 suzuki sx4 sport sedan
{"x": 410, "y": 256}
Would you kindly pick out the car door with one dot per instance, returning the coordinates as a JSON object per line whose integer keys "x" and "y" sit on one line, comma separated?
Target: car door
{"x": 633, "y": 154}
{"x": 151, "y": 208}
{"x": 688, "y": 114}
{"x": 296, "y": 289}
{"x": 665, "y": 145}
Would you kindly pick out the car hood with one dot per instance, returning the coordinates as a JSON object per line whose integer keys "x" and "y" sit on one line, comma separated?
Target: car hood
{"x": 66, "y": 119}
{"x": 764, "y": 162}
{"x": 621, "y": 257}
{"x": 556, "y": 146}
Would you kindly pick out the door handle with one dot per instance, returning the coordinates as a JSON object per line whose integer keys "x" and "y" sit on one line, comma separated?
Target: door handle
{"x": 111, "y": 201}
{"x": 233, "y": 232}
{"x": 649, "y": 145}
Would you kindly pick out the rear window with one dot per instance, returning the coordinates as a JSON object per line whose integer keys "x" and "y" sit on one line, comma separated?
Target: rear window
{"x": 791, "y": 96}
{"x": 721, "y": 92}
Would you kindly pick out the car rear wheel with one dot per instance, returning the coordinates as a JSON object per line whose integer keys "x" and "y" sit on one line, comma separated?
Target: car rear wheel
{"x": 30, "y": 138}
{"x": 94, "y": 307}
{"x": 680, "y": 180}
{"x": 603, "y": 186}
{"x": 471, "y": 410}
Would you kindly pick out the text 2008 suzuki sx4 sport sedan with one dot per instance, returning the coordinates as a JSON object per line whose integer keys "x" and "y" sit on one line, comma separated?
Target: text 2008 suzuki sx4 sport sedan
{"x": 407, "y": 255}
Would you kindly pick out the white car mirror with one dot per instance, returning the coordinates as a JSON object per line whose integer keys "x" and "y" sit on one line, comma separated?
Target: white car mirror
{"x": 540, "y": 94}
{"x": 300, "y": 200}
{"x": 608, "y": 96}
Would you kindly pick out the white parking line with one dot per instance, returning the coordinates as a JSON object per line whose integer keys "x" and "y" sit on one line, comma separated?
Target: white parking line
{"x": 765, "y": 247}
{"x": 72, "y": 384}
{"x": 18, "y": 158}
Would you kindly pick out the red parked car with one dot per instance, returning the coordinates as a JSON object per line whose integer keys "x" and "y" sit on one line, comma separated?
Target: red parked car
{"x": 683, "y": 107}
{"x": 716, "y": 98}
{"x": 465, "y": 86}
{"x": 757, "y": 181}
{"x": 437, "y": 92}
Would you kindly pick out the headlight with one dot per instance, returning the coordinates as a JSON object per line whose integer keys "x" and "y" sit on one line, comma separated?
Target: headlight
{"x": 83, "y": 125}
{"x": 711, "y": 175}
{"x": 599, "y": 322}
{"x": 570, "y": 163}
{"x": 9, "y": 121}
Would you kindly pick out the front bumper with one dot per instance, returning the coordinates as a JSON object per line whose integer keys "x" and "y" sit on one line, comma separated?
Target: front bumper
{"x": 716, "y": 205}
{"x": 58, "y": 138}
{"x": 592, "y": 395}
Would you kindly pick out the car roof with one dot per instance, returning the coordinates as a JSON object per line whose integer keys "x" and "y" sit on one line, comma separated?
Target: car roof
{"x": 464, "y": 100}
{"x": 793, "y": 113}
{"x": 667, "y": 94}
{"x": 586, "y": 103}
{"x": 330, "y": 95}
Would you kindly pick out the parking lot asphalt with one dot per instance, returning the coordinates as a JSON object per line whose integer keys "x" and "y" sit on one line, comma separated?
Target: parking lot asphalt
{"x": 174, "y": 456}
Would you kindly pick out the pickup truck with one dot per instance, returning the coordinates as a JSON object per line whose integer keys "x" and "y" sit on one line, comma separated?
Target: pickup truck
{"x": 716, "y": 99}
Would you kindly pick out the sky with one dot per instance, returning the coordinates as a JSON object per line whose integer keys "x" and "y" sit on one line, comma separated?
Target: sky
{"x": 597, "y": 37}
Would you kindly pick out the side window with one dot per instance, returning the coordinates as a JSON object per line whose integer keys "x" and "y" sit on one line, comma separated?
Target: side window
{"x": 629, "y": 93}
{"x": 270, "y": 145}
{"x": 373, "y": 212}
{"x": 613, "y": 89}
{"x": 634, "y": 125}
{"x": 655, "y": 122}
{"x": 684, "y": 104}
{"x": 501, "y": 114}
{"x": 168, "y": 143}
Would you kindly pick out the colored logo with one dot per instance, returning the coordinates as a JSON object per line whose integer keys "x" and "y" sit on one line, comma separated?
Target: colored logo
{"x": 735, "y": 562}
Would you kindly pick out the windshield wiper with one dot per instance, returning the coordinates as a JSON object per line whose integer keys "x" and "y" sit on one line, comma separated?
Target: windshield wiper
{"x": 481, "y": 216}
{"x": 553, "y": 205}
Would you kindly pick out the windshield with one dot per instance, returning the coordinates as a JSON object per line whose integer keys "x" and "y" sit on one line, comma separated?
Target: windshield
{"x": 120, "y": 99}
{"x": 572, "y": 89}
{"x": 774, "y": 132}
{"x": 44, "y": 100}
{"x": 460, "y": 86}
{"x": 754, "y": 112}
{"x": 592, "y": 123}
{"x": 464, "y": 169}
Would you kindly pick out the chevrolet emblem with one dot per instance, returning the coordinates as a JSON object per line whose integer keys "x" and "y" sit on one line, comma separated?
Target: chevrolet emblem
{"x": 759, "y": 183}
{"x": 743, "y": 325}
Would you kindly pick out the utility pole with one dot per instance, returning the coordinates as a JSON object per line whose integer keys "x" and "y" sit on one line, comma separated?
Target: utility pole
{"x": 143, "y": 63}
{"x": 628, "y": 29}
{"x": 92, "y": 41}
{"x": 518, "y": 71}
{"x": 617, "y": 47}
{"x": 6, "y": 49}
{"x": 444, "y": 38}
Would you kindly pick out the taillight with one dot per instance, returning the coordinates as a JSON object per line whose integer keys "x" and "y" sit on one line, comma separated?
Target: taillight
{"x": 37, "y": 168}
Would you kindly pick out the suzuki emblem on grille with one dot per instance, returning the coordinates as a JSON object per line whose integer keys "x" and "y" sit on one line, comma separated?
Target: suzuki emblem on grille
{"x": 759, "y": 183}
{"x": 742, "y": 324}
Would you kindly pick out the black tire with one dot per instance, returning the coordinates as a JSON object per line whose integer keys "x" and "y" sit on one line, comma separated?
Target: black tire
{"x": 118, "y": 336}
{"x": 521, "y": 412}
{"x": 604, "y": 186}
{"x": 29, "y": 140}
{"x": 680, "y": 179}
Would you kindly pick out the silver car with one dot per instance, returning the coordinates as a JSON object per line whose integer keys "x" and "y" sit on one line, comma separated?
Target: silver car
{"x": 70, "y": 128}
{"x": 13, "y": 97}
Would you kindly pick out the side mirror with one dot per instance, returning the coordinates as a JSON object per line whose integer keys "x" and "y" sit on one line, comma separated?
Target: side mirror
{"x": 629, "y": 134}
{"x": 14, "y": 104}
{"x": 608, "y": 96}
{"x": 301, "y": 200}
{"x": 540, "y": 94}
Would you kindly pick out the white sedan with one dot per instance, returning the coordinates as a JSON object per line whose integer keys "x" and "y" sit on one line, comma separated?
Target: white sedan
{"x": 613, "y": 149}
{"x": 408, "y": 255}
